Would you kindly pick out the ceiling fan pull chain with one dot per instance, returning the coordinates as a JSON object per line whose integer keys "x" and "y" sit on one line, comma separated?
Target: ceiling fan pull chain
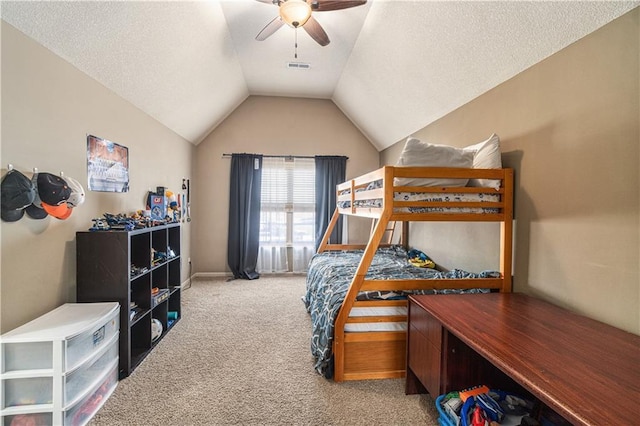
{"x": 296, "y": 43}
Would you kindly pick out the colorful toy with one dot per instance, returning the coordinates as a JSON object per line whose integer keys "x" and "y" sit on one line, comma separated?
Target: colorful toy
{"x": 173, "y": 207}
{"x": 419, "y": 259}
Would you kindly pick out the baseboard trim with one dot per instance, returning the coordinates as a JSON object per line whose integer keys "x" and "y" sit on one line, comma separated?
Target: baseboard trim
{"x": 203, "y": 276}
{"x": 206, "y": 275}
{"x": 185, "y": 284}
{"x": 210, "y": 275}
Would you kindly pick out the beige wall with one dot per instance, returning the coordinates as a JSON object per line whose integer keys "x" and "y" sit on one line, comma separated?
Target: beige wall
{"x": 267, "y": 125}
{"x": 48, "y": 107}
{"x": 569, "y": 127}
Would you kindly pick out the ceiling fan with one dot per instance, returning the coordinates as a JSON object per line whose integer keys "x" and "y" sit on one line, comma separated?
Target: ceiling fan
{"x": 298, "y": 13}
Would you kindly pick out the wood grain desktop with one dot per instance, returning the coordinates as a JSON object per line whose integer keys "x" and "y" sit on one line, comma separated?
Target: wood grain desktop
{"x": 584, "y": 370}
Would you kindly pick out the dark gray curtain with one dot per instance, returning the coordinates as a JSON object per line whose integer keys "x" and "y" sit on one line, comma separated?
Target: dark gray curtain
{"x": 244, "y": 215}
{"x": 330, "y": 171}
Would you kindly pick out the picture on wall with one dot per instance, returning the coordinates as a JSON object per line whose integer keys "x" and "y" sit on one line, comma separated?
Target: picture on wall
{"x": 107, "y": 165}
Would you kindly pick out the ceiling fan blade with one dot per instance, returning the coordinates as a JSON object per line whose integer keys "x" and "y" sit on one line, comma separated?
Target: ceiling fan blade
{"x": 270, "y": 28}
{"x": 324, "y": 5}
{"x": 316, "y": 31}
{"x": 266, "y": 1}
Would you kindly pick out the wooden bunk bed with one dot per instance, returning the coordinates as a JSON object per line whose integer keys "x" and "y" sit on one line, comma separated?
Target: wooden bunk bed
{"x": 381, "y": 354}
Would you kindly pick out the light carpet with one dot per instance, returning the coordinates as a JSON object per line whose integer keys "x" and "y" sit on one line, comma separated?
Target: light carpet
{"x": 240, "y": 356}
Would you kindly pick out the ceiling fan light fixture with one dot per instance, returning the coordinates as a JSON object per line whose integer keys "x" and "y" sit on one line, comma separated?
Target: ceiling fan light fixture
{"x": 295, "y": 13}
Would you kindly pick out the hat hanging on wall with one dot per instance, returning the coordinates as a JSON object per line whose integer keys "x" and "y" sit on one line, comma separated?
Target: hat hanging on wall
{"x": 17, "y": 192}
{"x": 43, "y": 195}
{"x": 34, "y": 181}
{"x": 35, "y": 210}
{"x": 11, "y": 215}
{"x": 77, "y": 192}
{"x": 54, "y": 193}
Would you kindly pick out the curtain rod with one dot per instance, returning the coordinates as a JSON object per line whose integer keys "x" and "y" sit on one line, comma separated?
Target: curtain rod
{"x": 287, "y": 156}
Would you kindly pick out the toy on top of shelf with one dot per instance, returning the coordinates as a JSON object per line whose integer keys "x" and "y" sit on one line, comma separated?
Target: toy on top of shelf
{"x": 173, "y": 207}
{"x": 99, "y": 224}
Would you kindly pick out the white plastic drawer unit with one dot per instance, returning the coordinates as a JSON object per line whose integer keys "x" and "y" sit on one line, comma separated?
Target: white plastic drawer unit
{"x": 81, "y": 329}
{"x": 51, "y": 366}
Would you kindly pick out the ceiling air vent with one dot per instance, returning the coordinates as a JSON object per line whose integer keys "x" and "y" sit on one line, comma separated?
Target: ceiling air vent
{"x": 298, "y": 65}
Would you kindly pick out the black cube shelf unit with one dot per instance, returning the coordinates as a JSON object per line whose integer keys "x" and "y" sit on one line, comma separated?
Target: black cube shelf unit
{"x": 120, "y": 266}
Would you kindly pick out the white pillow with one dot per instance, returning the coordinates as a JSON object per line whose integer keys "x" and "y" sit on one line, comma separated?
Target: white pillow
{"x": 423, "y": 154}
{"x": 486, "y": 155}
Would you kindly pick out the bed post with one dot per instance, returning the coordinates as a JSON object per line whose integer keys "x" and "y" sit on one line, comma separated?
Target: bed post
{"x": 404, "y": 239}
{"x": 363, "y": 267}
{"x": 354, "y": 288}
{"x": 327, "y": 234}
{"x": 506, "y": 233}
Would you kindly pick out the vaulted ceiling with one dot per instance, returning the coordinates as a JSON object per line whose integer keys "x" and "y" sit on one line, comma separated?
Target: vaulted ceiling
{"x": 392, "y": 66}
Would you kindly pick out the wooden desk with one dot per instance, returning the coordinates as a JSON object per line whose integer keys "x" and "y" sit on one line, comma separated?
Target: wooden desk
{"x": 584, "y": 370}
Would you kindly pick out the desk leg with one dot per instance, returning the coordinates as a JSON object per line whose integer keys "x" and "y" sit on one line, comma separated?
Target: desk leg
{"x": 413, "y": 385}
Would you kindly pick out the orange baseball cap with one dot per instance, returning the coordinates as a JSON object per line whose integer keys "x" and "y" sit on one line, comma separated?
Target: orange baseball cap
{"x": 60, "y": 211}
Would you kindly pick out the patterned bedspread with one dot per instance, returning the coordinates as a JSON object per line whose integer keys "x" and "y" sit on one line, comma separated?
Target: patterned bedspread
{"x": 328, "y": 279}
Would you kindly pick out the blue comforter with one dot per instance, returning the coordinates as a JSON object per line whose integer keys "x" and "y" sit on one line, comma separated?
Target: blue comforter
{"x": 328, "y": 279}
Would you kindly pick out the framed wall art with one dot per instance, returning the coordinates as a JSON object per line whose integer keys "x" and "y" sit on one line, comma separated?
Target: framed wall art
{"x": 107, "y": 165}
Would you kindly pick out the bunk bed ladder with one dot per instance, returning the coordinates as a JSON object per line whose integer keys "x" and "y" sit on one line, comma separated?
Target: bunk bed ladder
{"x": 388, "y": 233}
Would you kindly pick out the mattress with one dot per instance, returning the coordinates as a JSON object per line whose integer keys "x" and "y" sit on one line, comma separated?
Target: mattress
{"x": 376, "y": 326}
{"x": 426, "y": 197}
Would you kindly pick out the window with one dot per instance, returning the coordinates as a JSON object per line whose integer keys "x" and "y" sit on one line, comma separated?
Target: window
{"x": 287, "y": 214}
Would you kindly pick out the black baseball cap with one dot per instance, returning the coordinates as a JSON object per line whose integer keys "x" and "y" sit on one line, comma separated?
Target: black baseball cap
{"x": 17, "y": 191}
{"x": 52, "y": 190}
{"x": 35, "y": 212}
{"x": 11, "y": 215}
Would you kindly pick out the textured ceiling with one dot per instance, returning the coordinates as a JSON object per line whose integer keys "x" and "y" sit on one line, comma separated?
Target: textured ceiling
{"x": 392, "y": 66}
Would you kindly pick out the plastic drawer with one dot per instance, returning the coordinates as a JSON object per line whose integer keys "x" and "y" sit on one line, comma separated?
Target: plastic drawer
{"x": 28, "y": 391}
{"x": 38, "y": 419}
{"x": 81, "y": 379}
{"x": 82, "y": 412}
{"x": 82, "y": 346}
{"x": 27, "y": 356}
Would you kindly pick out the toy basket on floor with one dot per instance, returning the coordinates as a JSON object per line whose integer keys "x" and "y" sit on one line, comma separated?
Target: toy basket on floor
{"x": 454, "y": 412}
{"x": 444, "y": 418}
{"x": 450, "y": 418}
